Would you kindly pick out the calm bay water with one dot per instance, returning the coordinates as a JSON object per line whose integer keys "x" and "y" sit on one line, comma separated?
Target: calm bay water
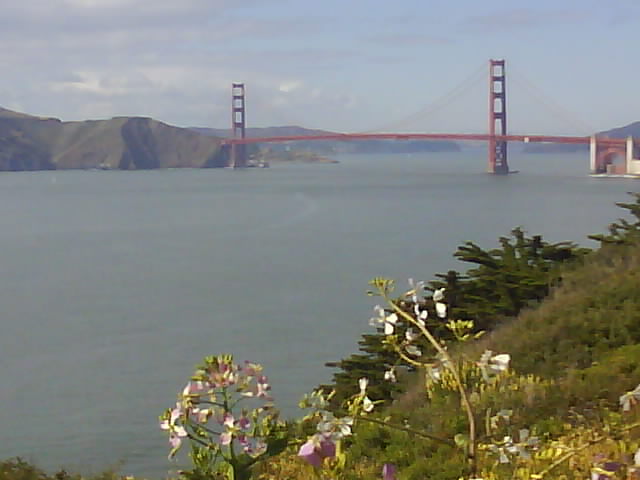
{"x": 115, "y": 284}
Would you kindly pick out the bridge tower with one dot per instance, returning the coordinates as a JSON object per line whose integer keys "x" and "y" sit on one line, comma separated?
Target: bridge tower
{"x": 497, "y": 118}
{"x": 238, "y": 155}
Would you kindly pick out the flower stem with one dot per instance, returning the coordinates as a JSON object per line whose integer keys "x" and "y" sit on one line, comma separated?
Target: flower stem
{"x": 408, "y": 430}
{"x": 464, "y": 398}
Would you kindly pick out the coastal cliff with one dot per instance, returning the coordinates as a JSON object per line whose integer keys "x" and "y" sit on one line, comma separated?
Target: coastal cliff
{"x": 127, "y": 143}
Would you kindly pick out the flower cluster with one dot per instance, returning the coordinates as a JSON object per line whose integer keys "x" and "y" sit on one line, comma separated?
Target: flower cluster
{"x": 508, "y": 447}
{"x": 205, "y": 409}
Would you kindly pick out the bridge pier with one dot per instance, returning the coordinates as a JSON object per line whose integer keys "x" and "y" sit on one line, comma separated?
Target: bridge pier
{"x": 602, "y": 156}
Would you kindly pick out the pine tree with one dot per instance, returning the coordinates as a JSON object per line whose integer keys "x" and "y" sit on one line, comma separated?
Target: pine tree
{"x": 504, "y": 281}
{"x": 623, "y": 232}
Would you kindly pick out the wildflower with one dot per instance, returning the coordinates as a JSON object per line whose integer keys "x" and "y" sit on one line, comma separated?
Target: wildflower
{"x": 363, "y": 383}
{"x": 502, "y": 416}
{"x": 493, "y": 364}
{"x": 629, "y": 399}
{"x": 367, "y": 404}
{"x": 260, "y": 389}
{"x": 415, "y": 289}
{"x": 176, "y": 432}
{"x": 252, "y": 369}
{"x": 434, "y": 373}
{"x": 202, "y": 414}
{"x": 413, "y": 350}
{"x": 316, "y": 449}
{"x": 438, "y": 294}
{"x": 388, "y": 471}
{"x": 389, "y": 321}
{"x": 500, "y": 363}
{"x": 441, "y": 308}
{"x": 421, "y": 318}
{"x": 390, "y": 375}
{"x": 234, "y": 428}
{"x": 335, "y": 428}
{"x": 193, "y": 389}
{"x": 256, "y": 449}
{"x": 224, "y": 374}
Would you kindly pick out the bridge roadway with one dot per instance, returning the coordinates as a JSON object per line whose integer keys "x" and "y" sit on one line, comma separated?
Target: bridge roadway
{"x": 602, "y": 141}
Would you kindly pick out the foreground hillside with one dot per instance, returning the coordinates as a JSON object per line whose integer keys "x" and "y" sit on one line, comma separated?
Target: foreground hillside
{"x": 127, "y": 143}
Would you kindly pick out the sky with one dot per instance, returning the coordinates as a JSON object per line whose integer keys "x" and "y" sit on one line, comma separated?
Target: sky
{"x": 340, "y": 65}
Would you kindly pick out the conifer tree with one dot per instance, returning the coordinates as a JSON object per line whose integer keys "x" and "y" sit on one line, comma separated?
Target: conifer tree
{"x": 623, "y": 232}
{"x": 503, "y": 281}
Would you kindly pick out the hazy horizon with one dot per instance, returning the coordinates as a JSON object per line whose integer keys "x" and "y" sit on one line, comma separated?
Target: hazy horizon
{"x": 357, "y": 66}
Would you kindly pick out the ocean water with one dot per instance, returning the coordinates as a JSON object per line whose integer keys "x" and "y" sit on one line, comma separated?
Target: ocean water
{"x": 115, "y": 284}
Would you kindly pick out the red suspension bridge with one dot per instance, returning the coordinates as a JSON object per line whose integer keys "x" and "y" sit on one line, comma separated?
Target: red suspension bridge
{"x": 602, "y": 150}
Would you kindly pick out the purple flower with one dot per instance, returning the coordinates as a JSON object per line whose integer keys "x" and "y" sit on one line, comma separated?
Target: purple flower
{"x": 316, "y": 449}
{"x": 389, "y": 471}
{"x": 309, "y": 453}
{"x": 327, "y": 448}
{"x": 251, "y": 369}
{"x": 234, "y": 428}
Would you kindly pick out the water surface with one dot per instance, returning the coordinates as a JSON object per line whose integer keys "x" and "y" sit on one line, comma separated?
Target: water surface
{"x": 115, "y": 284}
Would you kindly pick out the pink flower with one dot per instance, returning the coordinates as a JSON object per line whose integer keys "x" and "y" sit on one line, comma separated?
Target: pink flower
{"x": 389, "y": 471}
{"x": 309, "y": 453}
{"x": 316, "y": 449}
{"x": 234, "y": 428}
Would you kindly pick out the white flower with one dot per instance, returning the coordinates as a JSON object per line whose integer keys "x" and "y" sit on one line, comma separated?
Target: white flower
{"x": 441, "y": 310}
{"x": 379, "y": 318}
{"x": 390, "y": 375}
{"x": 367, "y": 404}
{"x": 421, "y": 315}
{"x": 438, "y": 295}
{"x": 434, "y": 373}
{"x": 363, "y": 383}
{"x": 630, "y": 398}
{"x": 389, "y": 321}
{"x": 500, "y": 363}
{"x": 389, "y": 325}
{"x": 413, "y": 350}
{"x": 493, "y": 364}
{"x": 416, "y": 289}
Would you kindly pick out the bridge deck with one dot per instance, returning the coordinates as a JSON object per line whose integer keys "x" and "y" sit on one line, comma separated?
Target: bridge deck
{"x": 431, "y": 136}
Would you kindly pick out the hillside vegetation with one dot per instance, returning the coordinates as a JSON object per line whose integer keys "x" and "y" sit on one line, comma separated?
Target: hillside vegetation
{"x": 126, "y": 143}
{"x": 573, "y": 355}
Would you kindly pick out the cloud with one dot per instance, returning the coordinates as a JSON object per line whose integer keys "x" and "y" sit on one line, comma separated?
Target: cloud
{"x": 521, "y": 18}
{"x": 289, "y": 86}
{"x": 396, "y": 39}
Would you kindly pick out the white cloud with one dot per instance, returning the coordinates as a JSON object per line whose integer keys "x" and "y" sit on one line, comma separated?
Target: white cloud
{"x": 289, "y": 86}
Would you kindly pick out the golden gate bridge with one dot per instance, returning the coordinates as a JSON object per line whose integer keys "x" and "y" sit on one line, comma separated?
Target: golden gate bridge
{"x": 602, "y": 150}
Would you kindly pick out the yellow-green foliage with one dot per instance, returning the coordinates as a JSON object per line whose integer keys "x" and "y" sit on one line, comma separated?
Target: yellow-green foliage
{"x": 18, "y": 469}
{"x": 596, "y": 310}
{"x": 572, "y": 358}
{"x": 290, "y": 467}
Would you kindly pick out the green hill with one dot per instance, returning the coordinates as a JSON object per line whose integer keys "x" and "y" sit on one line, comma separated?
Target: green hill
{"x": 128, "y": 143}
